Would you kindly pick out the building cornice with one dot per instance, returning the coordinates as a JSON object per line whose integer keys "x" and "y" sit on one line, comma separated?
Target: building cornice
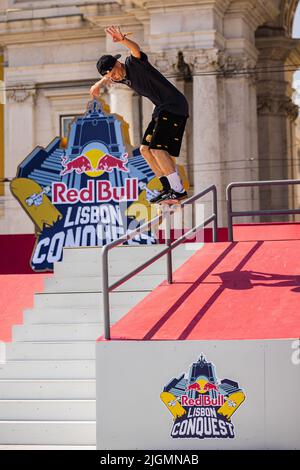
{"x": 278, "y": 48}
{"x": 81, "y": 30}
{"x": 256, "y": 12}
{"x": 286, "y": 16}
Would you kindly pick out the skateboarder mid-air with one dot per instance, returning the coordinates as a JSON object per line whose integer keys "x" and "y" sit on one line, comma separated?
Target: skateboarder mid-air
{"x": 163, "y": 136}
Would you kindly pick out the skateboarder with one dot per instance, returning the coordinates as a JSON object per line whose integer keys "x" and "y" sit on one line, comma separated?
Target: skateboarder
{"x": 163, "y": 136}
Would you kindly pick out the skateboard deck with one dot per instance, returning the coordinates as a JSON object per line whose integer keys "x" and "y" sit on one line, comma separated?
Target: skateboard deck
{"x": 169, "y": 202}
{"x": 165, "y": 206}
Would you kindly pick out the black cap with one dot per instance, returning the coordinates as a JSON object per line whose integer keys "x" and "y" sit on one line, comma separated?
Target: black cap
{"x": 106, "y": 63}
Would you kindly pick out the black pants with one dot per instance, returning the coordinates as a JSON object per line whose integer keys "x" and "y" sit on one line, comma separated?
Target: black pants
{"x": 165, "y": 132}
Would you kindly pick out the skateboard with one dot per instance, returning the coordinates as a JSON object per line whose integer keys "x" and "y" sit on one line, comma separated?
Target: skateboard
{"x": 168, "y": 204}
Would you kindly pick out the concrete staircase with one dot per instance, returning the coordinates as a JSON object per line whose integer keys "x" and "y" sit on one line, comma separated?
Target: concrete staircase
{"x": 47, "y": 385}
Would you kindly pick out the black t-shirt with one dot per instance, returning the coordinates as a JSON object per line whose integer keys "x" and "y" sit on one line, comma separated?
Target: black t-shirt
{"x": 147, "y": 81}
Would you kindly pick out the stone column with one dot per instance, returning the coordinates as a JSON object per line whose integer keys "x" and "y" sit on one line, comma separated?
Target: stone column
{"x": 207, "y": 132}
{"x": 19, "y": 142}
{"x": 124, "y": 101}
{"x": 276, "y": 120}
{"x": 225, "y": 128}
{"x": 240, "y": 161}
{"x": 20, "y": 126}
{"x": 167, "y": 63}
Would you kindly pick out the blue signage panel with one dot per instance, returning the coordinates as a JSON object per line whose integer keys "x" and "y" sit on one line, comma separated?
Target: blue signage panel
{"x": 87, "y": 191}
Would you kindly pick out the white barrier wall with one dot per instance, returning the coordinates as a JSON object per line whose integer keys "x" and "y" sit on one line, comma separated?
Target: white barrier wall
{"x": 252, "y": 391}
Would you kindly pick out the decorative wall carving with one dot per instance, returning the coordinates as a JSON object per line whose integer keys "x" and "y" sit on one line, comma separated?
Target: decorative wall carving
{"x": 20, "y": 94}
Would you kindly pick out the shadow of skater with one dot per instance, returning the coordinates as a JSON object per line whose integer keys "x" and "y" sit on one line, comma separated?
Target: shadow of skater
{"x": 240, "y": 280}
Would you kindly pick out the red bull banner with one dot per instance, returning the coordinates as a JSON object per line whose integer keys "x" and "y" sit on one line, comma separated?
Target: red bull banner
{"x": 86, "y": 190}
{"x": 200, "y": 404}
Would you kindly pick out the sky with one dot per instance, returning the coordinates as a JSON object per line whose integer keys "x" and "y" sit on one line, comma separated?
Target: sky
{"x": 296, "y": 34}
{"x": 296, "y": 26}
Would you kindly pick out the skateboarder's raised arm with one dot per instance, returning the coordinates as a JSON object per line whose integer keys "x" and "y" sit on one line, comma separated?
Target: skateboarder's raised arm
{"x": 118, "y": 36}
{"x": 133, "y": 46}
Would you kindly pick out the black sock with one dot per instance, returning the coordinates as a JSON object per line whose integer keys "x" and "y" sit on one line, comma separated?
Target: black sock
{"x": 165, "y": 183}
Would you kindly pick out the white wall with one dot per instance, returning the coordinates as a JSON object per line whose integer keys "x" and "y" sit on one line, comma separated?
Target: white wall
{"x": 131, "y": 375}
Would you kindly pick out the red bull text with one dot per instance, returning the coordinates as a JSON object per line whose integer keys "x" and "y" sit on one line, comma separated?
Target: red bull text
{"x": 95, "y": 191}
{"x": 202, "y": 400}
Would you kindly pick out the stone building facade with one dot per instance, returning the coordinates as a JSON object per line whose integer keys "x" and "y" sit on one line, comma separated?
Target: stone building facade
{"x": 233, "y": 59}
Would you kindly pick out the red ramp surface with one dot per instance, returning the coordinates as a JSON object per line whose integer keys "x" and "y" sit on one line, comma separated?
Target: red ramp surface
{"x": 247, "y": 289}
{"x": 16, "y": 294}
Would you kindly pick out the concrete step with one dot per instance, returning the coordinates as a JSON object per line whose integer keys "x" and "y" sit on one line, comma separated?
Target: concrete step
{"x": 77, "y": 269}
{"x": 93, "y": 254}
{"x": 92, "y": 284}
{"x": 70, "y": 315}
{"x": 47, "y": 385}
{"x": 48, "y": 432}
{"x": 78, "y": 266}
{"x": 57, "y": 332}
{"x": 22, "y": 351}
{"x": 47, "y": 389}
{"x": 51, "y": 369}
{"x": 86, "y": 299}
{"x": 48, "y": 410}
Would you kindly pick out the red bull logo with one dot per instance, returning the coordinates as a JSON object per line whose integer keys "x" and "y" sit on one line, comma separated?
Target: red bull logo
{"x": 79, "y": 165}
{"x": 202, "y": 400}
{"x": 210, "y": 386}
{"x": 202, "y": 386}
{"x": 95, "y": 192}
{"x": 108, "y": 162}
{"x": 83, "y": 164}
{"x": 194, "y": 386}
{"x": 201, "y": 405}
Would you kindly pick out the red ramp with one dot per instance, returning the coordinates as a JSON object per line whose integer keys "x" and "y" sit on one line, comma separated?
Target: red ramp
{"x": 248, "y": 289}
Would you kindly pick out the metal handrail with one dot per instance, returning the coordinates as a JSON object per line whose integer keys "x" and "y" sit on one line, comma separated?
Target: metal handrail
{"x": 106, "y": 288}
{"x": 231, "y": 213}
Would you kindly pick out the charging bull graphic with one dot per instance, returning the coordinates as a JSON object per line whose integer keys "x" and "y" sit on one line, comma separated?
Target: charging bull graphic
{"x": 83, "y": 164}
{"x": 202, "y": 387}
{"x": 202, "y": 406}
{"x": 79, "y": 164}
{"x": 108, "y": 162}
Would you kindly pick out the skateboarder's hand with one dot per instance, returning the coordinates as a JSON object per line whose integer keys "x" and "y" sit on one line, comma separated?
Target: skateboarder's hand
{"x": 115, "y": 33}
{"x": 95, "y": 90}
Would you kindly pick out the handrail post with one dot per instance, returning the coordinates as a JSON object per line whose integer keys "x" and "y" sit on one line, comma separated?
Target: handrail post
{"x": 229, "y": 213}
{"x": 105, "y": 292}
{"x": 215, "y": 208}
{"x": 168, "y": 243}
